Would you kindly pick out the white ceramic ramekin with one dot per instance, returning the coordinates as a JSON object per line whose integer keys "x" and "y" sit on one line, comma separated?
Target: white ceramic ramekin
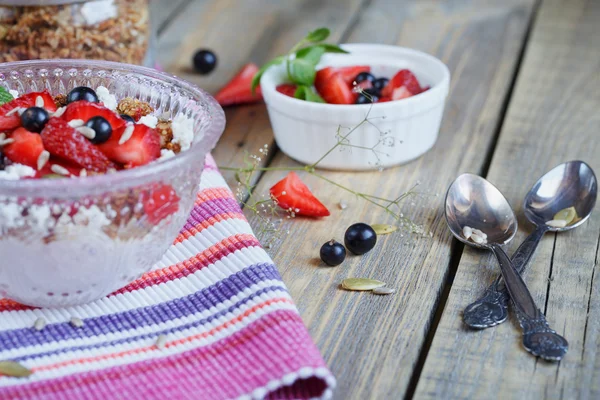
{"x": 397, "y": 132}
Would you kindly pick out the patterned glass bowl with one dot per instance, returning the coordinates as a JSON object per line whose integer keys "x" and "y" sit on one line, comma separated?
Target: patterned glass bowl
{"x": 71, "y": 241}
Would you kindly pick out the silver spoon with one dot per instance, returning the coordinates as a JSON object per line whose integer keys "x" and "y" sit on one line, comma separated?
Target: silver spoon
{"x": 473, "y": 202}
{"x": 571, "y": 184}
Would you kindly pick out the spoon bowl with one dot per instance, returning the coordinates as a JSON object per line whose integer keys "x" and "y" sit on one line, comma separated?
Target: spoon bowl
{"x": 474, "y": 202}
{"x": 571, "y": 184}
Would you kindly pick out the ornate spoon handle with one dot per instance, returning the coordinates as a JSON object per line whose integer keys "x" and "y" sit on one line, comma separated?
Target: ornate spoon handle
{"x": 538, "y": 338}
{"x": 492, "y": 308}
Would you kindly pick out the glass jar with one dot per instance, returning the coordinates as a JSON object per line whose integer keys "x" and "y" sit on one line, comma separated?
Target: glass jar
{"x": 112, "y": 30}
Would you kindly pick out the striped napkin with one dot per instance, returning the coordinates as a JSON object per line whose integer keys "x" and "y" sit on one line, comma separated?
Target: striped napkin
{"x": 212, "y": 320}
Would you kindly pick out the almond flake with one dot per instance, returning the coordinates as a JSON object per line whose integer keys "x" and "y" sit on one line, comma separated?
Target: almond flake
{"x": 76, "y": 123}
{"x": 342, "y": 205}
{"x": 60, "y": 170}
{"x": 4, "y": 142}
{"x": 86, "y": 131}
{"x": 39, "y": 324}
{"x": 467, "y": 232}
{"x": 43, "y": 159}
{"x": 76, "y": 322}
{"x": 59, "y": 112}
{"x": 161, "y": 341}
{"x": 383, "y": 290}
{"x": 127, "y": 134}
{"x": 83, "y": 173}
{"x": 478, "y": 239}
{"x": 557, "y": 223}
{"x": 39, "y": 101}
{"x": 567, "y": 214}
{"x": 13, "y": 111}
{"x": 361, "y": 284}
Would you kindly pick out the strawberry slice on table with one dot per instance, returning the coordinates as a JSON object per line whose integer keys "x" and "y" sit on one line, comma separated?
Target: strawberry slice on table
{"x": 406, "y": 78}
{"x": 65, "y": 142}
{"x": 8, "y": 122}
{"x": 141, "y": 148}
{"x": 85, "y": 110}
{"x": 332, "y": 87}
{"x": 25, "y": 149}
{"x": 160, "y": 202}
{"x": 292, "y": 193}
{"x": 289, "y": 89}
{"x": 239, "y": 89}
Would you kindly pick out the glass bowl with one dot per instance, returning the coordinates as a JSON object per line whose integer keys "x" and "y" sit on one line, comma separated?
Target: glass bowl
{"x": 71, "y": 241}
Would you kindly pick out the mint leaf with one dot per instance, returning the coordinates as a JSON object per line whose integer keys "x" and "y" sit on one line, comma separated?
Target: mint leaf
{"x": 317, "y": 35}
{"x": 311, "y": 54}
{"x": 301, "y": 71}
{"x": 261, "y": 71}
{"x": 5, "y": 96}
{"x": 307, "y": 93}
{"x": 332, "y": 48}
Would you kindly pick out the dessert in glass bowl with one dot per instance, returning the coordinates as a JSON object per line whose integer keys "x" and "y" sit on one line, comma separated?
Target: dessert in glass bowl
{"x": 101, "y": 165}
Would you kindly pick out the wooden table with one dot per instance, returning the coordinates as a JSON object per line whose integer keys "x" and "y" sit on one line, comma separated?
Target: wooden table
{"x": 524, "y": 97}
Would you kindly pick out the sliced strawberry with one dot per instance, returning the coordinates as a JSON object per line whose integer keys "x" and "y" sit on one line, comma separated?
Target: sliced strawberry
{"x": 349, "y": 73}
{"x": 142, "y": 148}
{"x": 160, "y": 202}
{"x": 289, "y": 89}
{"x": 401, "y": 93}
{"x": 28, "y": 100}
{"x": 333, "y": 89}
{"x": 25, "y": 149}
{"x": 69, "y": 166}
{"x": 239, "y": 89}
{"x": 384, "y": 99}
{"x": 85, "y": 110}
{"x": 404, "y": 77}
{"x": 65, "y": 142}
{"x": 292, "y": 194}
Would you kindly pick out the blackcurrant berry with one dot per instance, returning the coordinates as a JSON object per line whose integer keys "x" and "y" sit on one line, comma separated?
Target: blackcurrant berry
{"x": 360, "y": 238}
{"x": 82, "y": 93}
{"x": 333, "y": 253}
{"x": 380, "y": 83}
{"x": 127, "y": 118}
{"x": 34, "y": 118}
{"x": 364, "y": 76}
{"x": 102, "y": 128}
{"x": 205, "y": 61}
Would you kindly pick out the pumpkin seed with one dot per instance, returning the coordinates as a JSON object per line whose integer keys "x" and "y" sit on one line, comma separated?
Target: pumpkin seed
{"x": 566, "y": 214}
{"x": 383, "y": 290}
{"x": 383, "y": 229}
{"x": 361, "y": 284}
{"x": 14, "y": 369}
{"x": 557, "y": 223}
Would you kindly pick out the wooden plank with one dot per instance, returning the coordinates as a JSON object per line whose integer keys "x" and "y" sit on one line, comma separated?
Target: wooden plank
{"x": 164, "y": 11}
{"x": 239, "y": 32}
{"x": 373, "y": 343}
{"x": 552, "y": 118}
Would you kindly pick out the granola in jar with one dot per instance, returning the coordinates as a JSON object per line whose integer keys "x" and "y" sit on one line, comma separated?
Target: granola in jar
{"x": 112, "y": 30}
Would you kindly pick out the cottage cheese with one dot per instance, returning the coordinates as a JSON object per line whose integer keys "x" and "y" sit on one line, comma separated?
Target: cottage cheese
{"x": 109, "y": 100}
{"x": 183, "y": 131}
{"x": 15, "y": 172}
{"x": 166, "y": 154}
{"x": 149, "y": 120}
{"x": 13, "y": 93}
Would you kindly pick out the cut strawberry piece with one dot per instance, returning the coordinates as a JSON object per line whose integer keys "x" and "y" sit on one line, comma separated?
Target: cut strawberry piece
{"x": 47, "y": 169}
{"x": 85, "y": 110}
{"x": 293, "y": 195}
{"x": 25, "y": 149}
{"x": 401, "y": 93}
{"x": 28, "y": 100}
{"x": 384, "y": 99}
{"x": 239, "y": 89}
{"x": 350, "y": 73}
{"x": 65, "y": 142}
{"x": 289, "y": 89}
{"x": 160, "y": 202}
{"x": 403, "y": 78}
{"x": 142, "y": 148}
{"x": 332, "y": 87}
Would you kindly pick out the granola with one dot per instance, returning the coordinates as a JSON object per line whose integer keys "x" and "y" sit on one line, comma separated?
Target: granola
{"x": 134, "y": 108}
{"x": 113, "y": 30}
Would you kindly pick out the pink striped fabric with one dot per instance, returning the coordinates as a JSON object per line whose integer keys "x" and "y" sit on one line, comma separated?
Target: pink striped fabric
{"x": 229, "y": 326}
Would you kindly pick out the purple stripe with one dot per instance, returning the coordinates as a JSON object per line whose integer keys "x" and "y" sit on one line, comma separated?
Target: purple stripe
{"x": 144, "y": 316}
{"x": 203, "y": 212}
{"x": 155, "y": 334}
